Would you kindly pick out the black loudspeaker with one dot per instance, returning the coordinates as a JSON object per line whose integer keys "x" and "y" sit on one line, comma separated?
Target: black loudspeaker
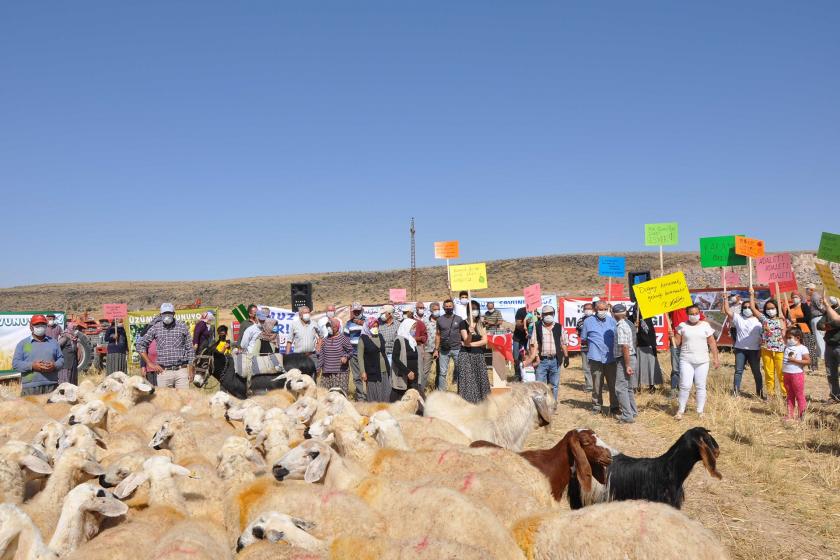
{"x": 634, "y": 278}
{"x": 301, "y": 295}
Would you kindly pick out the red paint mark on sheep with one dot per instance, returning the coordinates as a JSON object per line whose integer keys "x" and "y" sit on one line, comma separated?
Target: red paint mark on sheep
{"x": 468, "y": 482}
{"x": 422, "y": 545}
{"x": 642, "y": 528}
{"x": 415, "y": 489}
{"x": 325, "y": 499}
{"x": 442, "y": 457}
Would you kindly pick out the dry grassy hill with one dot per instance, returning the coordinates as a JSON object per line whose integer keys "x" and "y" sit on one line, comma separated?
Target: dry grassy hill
{"x": 561, "y": 274}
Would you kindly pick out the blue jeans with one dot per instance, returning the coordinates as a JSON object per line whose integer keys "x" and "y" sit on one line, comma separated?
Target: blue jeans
{"x": 443, "y": 367}
{"x": 675, "y": 367}
{"x": 548, "y": 371}
{"x": 742, "y": 357}
{"x": 517, "y": 373}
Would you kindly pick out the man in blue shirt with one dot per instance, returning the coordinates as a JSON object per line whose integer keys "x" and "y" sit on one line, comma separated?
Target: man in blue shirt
{"x": 38, "y": 358}
{"x": 599, "y": 333}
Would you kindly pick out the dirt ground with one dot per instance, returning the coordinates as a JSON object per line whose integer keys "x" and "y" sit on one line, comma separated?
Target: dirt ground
{"x": 779, "y": 494}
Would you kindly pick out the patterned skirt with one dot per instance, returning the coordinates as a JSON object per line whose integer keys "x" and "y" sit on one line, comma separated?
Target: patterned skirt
{"x": 340, "y": 379}
{"x": 473, "y": 381}
{"x": 115, "y": 362}
{"x": 810, "y": 342}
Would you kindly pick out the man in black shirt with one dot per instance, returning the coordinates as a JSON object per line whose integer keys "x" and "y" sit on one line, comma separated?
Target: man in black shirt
{"x": 447, "y": 343}
{"x": 520, "y": 341}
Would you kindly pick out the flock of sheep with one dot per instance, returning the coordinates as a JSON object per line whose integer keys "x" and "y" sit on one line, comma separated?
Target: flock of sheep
{"x": 126, "y": 470}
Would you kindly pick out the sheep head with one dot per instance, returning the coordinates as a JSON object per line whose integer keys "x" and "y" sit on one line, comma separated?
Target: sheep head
{"x": 80, "y": 436}
{"x": 543, "y": 399}
{"x": 65, "y": 392}
{"x": 121, "y": 468}
{"x": 166, "y": 431}
{"x": 159, "y": 467}
{"x": 49, "y": 435}
{"x": 308, "y": 461}
{"x": 303, "y": 409}
{"x": 231, "y": 456}
{"x": 90, "y": 414}
{"x": 135, "y": 387}
{"x": 275, "y": 527}
{"x": 707, "y": 448}
{"x": 27, "y": 456}
{"x": 379, "y": 424}
{"x": 90, "y": 497}
{"x": 413, "y": 396}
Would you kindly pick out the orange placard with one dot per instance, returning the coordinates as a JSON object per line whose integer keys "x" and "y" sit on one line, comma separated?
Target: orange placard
{"x": 446, "y": 250}
{"x": 748, "y": 247}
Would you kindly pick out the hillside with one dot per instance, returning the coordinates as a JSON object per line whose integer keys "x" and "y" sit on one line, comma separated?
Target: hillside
{"x": 561, "y": 274}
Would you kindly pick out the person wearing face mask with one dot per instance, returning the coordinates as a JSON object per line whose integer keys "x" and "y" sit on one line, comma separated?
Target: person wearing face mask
{"x": 373, "y": 362}
{"x": 244, "y": 325}
{"x": 353, "y": 331}
{"x": 175, "y": 354}
{"x": 38, "y": 358}
{"x": 388, "y": 327}
{"x": 407, "y": 364}
{"x": 473, "y": 382}
{"x": 117, "y": 342}
{"x": 747, "y": 345}
{"x": 427, "y": 349}
{"x": 520, "y": 342}
{"x": 817, "y": 303}
{"x": 549, "y": 344}
{"x": 696, "y": 340}
{"x": 303, "y": 333}
{"x": 461, "y": 304}
{"x": 447, "y": 344}
{"x": 673, "y": 320}
{"x": 588, "y": 311}
{"x": 796, "y": 358}
{"x": 798, "y": 314}
{"x": 54, "y": 329}
{"x": 830, "y": 323}
{"x": 626, "y": 364}
{"x": 203, "y": 332}
{"x": 735, "y": 303}
{"x": 68, "y": 341}
{"x": 772, "y": 344}
{"x": 334, "y": 358}
{"x": 599, "y": 333}
{"x": 492, "y": 317}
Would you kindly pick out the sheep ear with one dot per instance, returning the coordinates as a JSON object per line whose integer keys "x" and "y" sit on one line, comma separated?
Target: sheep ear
{"x": 35, "y": 464}
{"x": 254, "y": 456}
{"x": 273, "y": 535}
{"x": 584, "y": 471}
{"x": 542, "y": 407}
{"x": 130, "y": 484}
{"x": 93, "y": 468}
{"x": 709, "y": 458}
{"x": 302, "y": 524}
{"x": 143, "y": 386}
{"x": 109, "y": 507}
{"x": 181, "y": 471}
{"x": 317, "y": 468}
{"x": 236, "y": 414}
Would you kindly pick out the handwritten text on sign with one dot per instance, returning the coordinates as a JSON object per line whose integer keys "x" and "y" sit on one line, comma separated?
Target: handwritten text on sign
{"x": 730, "y": 278}
{"x": 446, "y": 250}
{"x": 468, "y": 276}
{"x": 662, "y": 295}
{"x": 661, "y": 234}
{"x": 749, "y": 247}
{"x": 612, "y": 267}
{"x": 719, "y": 251}
{"x": 115, "y": 310}
{"x": 533, "y": 297}
{"x": 829, "y": 247}
{"x": 396, "y": 295}
{"x": 774, "y": 268}
{"x": 828, "y": 279}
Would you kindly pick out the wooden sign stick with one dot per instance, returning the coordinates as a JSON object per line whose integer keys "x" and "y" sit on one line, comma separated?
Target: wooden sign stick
{"x": 751, "y": 273}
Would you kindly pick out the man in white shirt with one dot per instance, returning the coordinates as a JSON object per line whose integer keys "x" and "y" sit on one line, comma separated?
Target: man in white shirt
{"x": 253, "y": 332}
{"x": 303, "y": 334}
{"x": 747, "y": 345}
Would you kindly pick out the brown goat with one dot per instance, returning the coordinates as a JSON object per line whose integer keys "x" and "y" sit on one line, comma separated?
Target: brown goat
{"x": 581, "y": 449}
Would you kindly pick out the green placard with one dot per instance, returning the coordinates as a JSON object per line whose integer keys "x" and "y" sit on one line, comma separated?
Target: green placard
{"x": 719, "y": 251}
{"x": 829, "y": 247}
{"x": 665, "y": 233}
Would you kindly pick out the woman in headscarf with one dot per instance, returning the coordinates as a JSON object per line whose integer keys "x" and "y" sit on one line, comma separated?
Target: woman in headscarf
{"x": 68, "y": 341}
{"x": 373, "y": 362}
{"x": 334, "y": 357}
{"x": 407, "y": 364}
{"x": 117, "y": 342}
{"x": 267, "y": 341}
{"x": 473, "y": 382}
{"x": 203, "y": 332}
{"x": 798, "y": 312}
{"x": 649, "y": 373}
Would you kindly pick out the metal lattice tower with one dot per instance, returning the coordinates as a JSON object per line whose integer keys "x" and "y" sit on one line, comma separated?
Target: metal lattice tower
{"x": 413, "y": 265}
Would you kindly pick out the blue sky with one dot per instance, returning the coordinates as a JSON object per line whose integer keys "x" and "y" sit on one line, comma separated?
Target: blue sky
{"x": 157, "y": 136}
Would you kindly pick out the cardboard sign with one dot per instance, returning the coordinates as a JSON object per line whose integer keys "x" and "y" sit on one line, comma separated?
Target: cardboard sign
{"x": 613, "y": 290}
{"x": 113, "y": 311}
{"x": 719, "y": 251}
{"x": 749, "y": 247}
{"x": 396, "y": 295}
{"x": 665, "y": 233}
{"x": 784, "y": 287}
{"x": 730, "y": 278}
{"x": 533, "y": 297}
{"x": 468, "y": 277}
{"x": 828, "y": 280}
{"x": 662, "y": 295}
{"x": 612, "y": 267}
{"x": 446, "y": 250}
{"x": 829, "y": 247}
{"x": 775, "y": 268}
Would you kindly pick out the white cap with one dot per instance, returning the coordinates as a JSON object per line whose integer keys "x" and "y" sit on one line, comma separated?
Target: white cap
{"x": 547, "y": 309}
{"x": 167, "y": 308}
{"x": 596, "y": 299}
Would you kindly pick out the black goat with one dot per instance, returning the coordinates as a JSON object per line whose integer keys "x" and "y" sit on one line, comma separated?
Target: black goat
{"x": 656, "y": 479}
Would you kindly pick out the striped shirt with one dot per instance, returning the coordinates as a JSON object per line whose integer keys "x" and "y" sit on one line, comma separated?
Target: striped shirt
{"x": 624, "y": 336}
{"x": 389, "y": 333}
{"x": 303, "y": 336}
{"x": 174, "y": 344}
{"x": 332, "y": 350}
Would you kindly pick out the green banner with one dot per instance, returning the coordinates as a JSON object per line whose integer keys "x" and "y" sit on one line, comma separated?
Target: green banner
{"x": 829, "y": 247}
{"x": 719, "y": 251}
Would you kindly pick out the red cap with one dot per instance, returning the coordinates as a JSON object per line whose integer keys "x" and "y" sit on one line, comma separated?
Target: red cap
{"x": 36, "y": 319}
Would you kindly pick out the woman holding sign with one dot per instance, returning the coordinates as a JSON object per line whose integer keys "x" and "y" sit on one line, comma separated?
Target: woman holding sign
{"x": 473, "y": 383}
{"x": 772, "y": 344}
{"x": 696, "y": 339}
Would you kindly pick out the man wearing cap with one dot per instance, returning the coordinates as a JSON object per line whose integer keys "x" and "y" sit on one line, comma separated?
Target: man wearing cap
{"x": 388, "y": 327}
{"x": 175, "y": 353}
{"x": 353, "y": 331}
{"x": 625, "y": 353}
{"x": 599, "y": 333}
{"x": 303, "y": 334}
{"x": 53, "y": 328}
{"x": 38, "y": 358}
{"x": 549, "y": 345}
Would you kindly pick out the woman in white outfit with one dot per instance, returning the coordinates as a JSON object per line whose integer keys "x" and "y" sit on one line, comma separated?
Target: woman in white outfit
{"x": 696, "y": 339}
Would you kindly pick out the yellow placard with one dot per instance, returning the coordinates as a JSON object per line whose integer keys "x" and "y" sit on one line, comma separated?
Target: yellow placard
{"x": 663, "y": 294}
{"x": 446, "y": 249}
{"x": 828, "y": 279}
{"x": 468, "y": 277}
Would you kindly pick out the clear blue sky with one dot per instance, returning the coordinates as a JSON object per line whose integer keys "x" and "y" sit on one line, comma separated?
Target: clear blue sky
{"x": 303, "y": 136}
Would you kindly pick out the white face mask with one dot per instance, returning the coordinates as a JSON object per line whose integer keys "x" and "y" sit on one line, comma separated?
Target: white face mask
{"x": 771, "y": 312}
{"x": 168, "y": 319}
{"x": 330, "y": 314}
{"x": 548, "y": 319}
{"x": 588, "y": 312}
{"x": 436, "y": 313}
{"x": 796, "y": 301}
{"x": 791, "y": 342}
{"x": 374, "y": 331}
{"x": 603, "y": 314}
{"x": 40, "y": 330}
{"x": 383, "y": 318}
{"x": 420, "y": 312}
{"x": 51, "y": 322}
{"x": 306, "y": 317}
{"x": 464, "y": 301}
{"x": 693, "y": 318}
{"x": 475, "y": 312}
{"x": 746, "y": 312}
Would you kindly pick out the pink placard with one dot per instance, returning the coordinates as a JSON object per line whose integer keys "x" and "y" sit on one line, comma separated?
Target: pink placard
{"x": 774, "y": 268}
{"x": 613, "y": 290}
{"x": 533, "y": 297}
{"x": 114, "y": 311}
{"x": 731, "y": 278}
{"x": 397, "y": 295}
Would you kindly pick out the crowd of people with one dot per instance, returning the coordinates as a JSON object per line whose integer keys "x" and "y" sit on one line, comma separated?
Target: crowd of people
{"x": 397, "y": 350}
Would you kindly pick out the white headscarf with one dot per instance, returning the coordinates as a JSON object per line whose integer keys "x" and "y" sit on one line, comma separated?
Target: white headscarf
{"x": 405, "y": 331}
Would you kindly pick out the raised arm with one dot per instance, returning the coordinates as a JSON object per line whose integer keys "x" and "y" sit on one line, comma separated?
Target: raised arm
{"x": 726, "y": 309}
{"x": 754, "y": 308}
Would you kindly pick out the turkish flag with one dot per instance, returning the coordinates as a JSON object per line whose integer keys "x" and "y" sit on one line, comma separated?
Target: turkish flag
{"x": 502, "y": 343}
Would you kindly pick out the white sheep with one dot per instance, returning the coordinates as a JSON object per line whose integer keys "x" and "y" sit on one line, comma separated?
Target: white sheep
{"x": 81, "y": 514}
{"x": 181, "y": 436}
{"x": 630, "y": 529}
{"x": 301, "y": 385}
{"x": 274, "y": 526}
{"x": 274, "y": 438}
{"x": 506, "y": 419}
{"x": 49, "y": 436}
{"x": 409, "y": 405}
{"x": 15, "y": 456}
{"x": 238, "y": 460}
{"x": 163, "y": 491}
{"x": 15, "y": 525}
{"x": 193, "y": 539}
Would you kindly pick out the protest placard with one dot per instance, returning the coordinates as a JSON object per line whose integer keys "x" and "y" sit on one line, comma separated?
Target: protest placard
{"x": 446, "y": 250}
{"x": 749, "y": 247}
{"x": 828, "y": 280}
{"x": 663, "y": 294}
{"x": 730, "y": 278}
{"x": 396, "y": 295}
{"x": 533, "y": 297}
{"x": 775, "y": 268}
{"x": 829, "y": 247}
{"x": 719, "y": 251}
{"x": 113, "y": 311}
{"x": 665, "y": 233}
{"x": 468, "y": 276}
{"x": 612, "y": 267}
{"x": 613, "y": 290}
